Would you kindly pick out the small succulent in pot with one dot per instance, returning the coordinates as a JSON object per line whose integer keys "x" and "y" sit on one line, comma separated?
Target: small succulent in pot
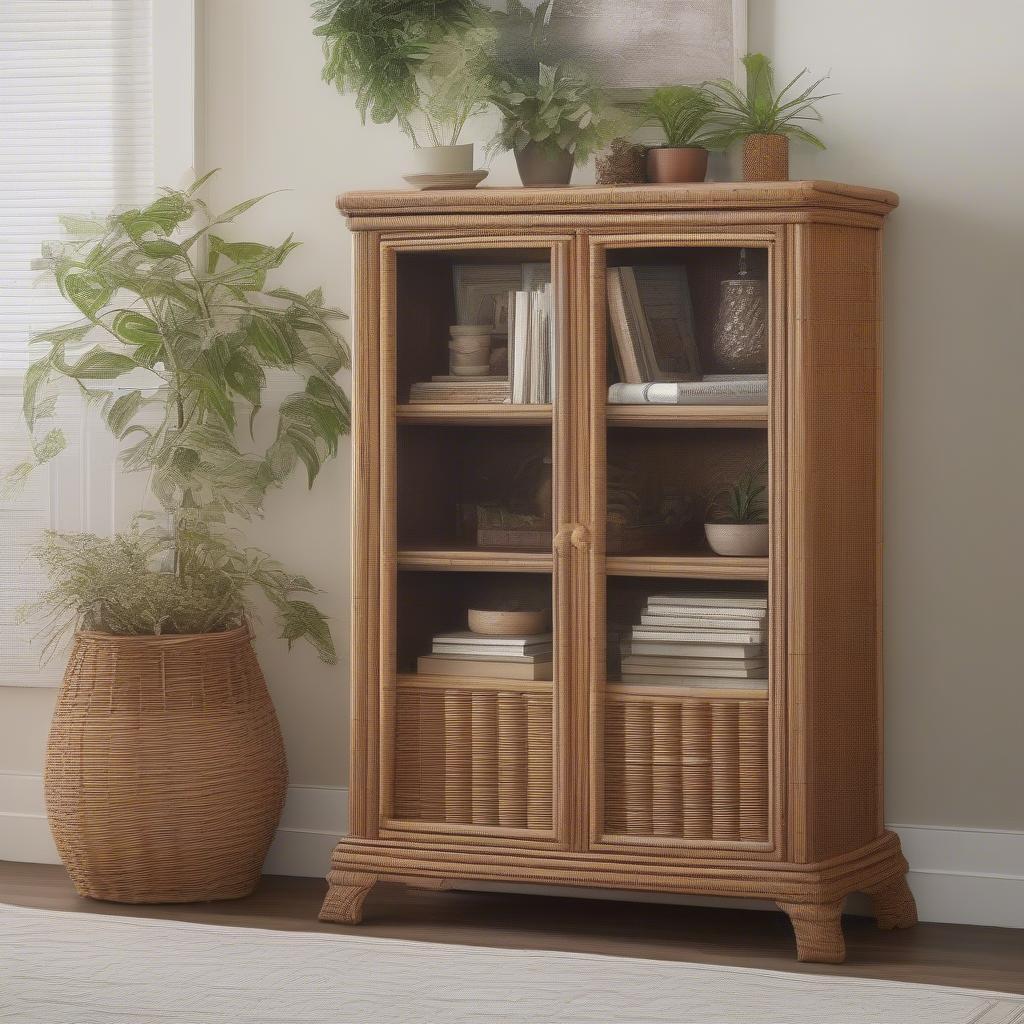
{"x": 685, "y": 114}
{"x": 765, "y": 118}
{"x": 737, "y": 523}
{"x": 553, "y": 122}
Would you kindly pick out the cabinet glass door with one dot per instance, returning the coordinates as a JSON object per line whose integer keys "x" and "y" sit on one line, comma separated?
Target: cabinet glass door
{"x": 473, "y": 491}
{"x": 687, "y": 503}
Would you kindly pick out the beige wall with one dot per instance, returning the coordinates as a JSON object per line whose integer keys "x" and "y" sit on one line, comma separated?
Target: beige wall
{"x": 930, "y": 107}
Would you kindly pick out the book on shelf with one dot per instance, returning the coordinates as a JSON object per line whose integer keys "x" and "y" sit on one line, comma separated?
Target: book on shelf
{"x": 677, "y": 622}
{"x": 467, "y": 642}
{"x": 651, "y": 316}
{"x": 705, "y": 682}
{"x": 738, "y": 668}
{"x": 681, "y": 634}
{"x": 444, "y": 388}
{"x": 539, "y": 668}
{"x": 697, "y": 650}
{"x": 709, "y": 599}
{"x": 700, "y": 392}
{"x": 532, "y": 345}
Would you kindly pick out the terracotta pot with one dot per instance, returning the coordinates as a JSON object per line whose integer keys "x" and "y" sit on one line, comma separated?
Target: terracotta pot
{"x": 538, "y": 167}
{"x": 668, "y": 165}
{"x": 165, "y": 768}
{"x": 442, "y": 159}
{"x": 738, "y": 540}
{"x": 766, "y": 158}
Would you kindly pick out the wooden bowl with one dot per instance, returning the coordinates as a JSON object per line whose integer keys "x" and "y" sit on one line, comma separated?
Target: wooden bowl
{"x": 502, "y": 623}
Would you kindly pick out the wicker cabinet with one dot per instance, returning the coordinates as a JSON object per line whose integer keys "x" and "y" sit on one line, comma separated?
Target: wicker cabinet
{"x": 774, "y": 792}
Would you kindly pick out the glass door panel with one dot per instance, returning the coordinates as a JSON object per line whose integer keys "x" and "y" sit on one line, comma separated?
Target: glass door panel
{"x": 472, "y": 494}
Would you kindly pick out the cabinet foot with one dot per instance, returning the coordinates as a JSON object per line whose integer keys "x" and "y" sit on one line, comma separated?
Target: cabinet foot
{"x": 819, "y": 931}
{"x": 344, "y": 901}
{"x": 893, "y": 904}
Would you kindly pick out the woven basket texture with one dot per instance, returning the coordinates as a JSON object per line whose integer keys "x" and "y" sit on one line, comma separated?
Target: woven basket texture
{"x": 165, "y": 769}
{"x": 766, "y": 158}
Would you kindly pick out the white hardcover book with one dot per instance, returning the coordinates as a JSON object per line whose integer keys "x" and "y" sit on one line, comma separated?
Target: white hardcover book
{"x": 552, "y": 342}
{"x": 488, "y": 651}
{"x": 467, "y": 636}
{"x": 757, "y": 666}
{"x": 705, "y": 682}
{"x": 538, "y": 347}
{"x": 655, "y": 647}
{"x": 668, "y": 667}
{"x": 699, "y": 622}
{"x": 679, "y": 634}
{"x": 664, "y": 611}
{"x": 518, "y": 366}
{"x": 719, "y": 599}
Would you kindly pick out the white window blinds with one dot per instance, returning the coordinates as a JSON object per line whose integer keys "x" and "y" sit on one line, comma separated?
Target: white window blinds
{"x": 76, "y": 137}
{"x": 76, "y": 120}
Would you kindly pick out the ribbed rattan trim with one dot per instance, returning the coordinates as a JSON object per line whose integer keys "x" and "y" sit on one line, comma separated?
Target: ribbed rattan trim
{"x": 718, "y": 195}
{"x": 227, "y": 637}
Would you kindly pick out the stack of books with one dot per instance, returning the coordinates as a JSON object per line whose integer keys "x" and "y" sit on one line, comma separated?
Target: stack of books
{"x": 711, "y": 389}
{"x": 471, "y": 390}
{"x": 532, "y": 344}
{"x": 716, "y": 640}
{"x": 482, "y": 656}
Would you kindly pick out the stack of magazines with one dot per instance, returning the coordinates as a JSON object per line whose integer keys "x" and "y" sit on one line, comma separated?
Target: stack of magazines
{"x": 482, "y": 656}
{"x": 710, "y": 640}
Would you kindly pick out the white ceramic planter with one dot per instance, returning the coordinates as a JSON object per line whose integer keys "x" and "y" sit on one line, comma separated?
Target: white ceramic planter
{"x": 441, "y": 159}
{"x": 738, "y": 540}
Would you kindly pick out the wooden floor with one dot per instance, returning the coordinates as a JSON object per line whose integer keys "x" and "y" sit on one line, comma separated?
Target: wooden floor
{"x": 943, "y": 954}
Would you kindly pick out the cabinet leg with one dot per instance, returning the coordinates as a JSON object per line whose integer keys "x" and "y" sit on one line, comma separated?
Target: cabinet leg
{"x": 819, "y": 931}
{"x": 344, "y": 901}
{"x": 893, "y": 904}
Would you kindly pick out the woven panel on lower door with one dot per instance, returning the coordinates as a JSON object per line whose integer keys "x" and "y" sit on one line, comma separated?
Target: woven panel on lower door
{"x": 475, "y": 757}
{"x": 686, "y": 768}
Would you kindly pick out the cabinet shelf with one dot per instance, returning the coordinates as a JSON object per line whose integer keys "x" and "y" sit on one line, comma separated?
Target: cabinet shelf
{"x": 473, "y": 560}
{"x": 414, "y": 679}
{"x": 687, "y": 415}
{"x": 667, "y": 692}
{"x": 697, "y": 567}
{"x": 474, "y": 415}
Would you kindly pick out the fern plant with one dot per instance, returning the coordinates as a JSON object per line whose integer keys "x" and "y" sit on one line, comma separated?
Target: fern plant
{"x": 762, "y": 110}
{"x": 421, "y": 63}
{"x": 743, "y": 502}
{"x": 178, "y": 332}
{"x": 684, "y": 113}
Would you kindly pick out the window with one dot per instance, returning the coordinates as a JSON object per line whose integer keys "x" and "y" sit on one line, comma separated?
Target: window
{"x": 87, "y": 88}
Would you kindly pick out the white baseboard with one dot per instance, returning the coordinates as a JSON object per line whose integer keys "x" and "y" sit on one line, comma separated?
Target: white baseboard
{"x": 958, "y": 875}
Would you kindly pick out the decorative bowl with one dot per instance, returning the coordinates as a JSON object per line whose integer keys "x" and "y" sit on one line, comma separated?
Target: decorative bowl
{"x": 509, "y": 623}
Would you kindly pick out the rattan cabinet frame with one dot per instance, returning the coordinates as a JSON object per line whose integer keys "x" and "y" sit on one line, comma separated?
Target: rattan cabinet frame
{"x": 823, "y": 831}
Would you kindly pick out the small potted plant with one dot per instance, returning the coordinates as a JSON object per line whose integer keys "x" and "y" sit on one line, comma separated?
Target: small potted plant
{"x": 738, "y": 518}
{"x": 165, "y": 770}
{"x": 423, "y": 65}
{"x": 765, "y": 119}
{"x": 685, "y": 114}
{"x": 552, "y": 123}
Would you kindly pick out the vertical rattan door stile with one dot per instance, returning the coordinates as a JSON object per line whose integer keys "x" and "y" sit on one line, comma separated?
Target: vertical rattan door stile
{"x": 391, "y": 824}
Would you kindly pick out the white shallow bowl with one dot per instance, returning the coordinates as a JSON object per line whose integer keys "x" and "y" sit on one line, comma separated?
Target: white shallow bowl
{"x": 738, "y": 540}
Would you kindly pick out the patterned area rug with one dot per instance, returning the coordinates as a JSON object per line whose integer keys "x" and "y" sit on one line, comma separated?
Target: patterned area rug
{"x": 58, "y": 968}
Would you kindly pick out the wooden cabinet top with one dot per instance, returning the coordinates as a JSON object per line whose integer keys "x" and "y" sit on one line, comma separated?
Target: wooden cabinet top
{"x": 718, "y": 195}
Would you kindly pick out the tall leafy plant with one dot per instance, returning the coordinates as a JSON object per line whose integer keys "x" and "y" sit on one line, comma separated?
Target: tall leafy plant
{"x": 684, "y": 113}
{"x": 763, "y": 110}
{"x": 421, "y": 63}
{"x": 178, "y": 331}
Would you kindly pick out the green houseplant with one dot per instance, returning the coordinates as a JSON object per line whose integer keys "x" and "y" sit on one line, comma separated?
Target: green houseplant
{"x": 685, "y": 115}
{"x": 165, "y": 768}
{"x": 765, "y": 118}
{"x": 737, "y": 518}
{"x": 552, "y": 122}
{"x": 421, "y": 63}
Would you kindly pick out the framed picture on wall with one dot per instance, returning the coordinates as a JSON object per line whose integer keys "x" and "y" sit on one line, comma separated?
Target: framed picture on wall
{"x": 638, "y": 45}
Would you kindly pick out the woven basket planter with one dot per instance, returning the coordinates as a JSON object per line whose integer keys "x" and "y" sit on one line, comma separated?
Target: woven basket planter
{"x": 766, "y": 158}
{"x": 165, "y": 768}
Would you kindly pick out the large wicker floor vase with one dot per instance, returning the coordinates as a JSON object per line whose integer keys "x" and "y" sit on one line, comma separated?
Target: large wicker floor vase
{"x": 165, "y": 768}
